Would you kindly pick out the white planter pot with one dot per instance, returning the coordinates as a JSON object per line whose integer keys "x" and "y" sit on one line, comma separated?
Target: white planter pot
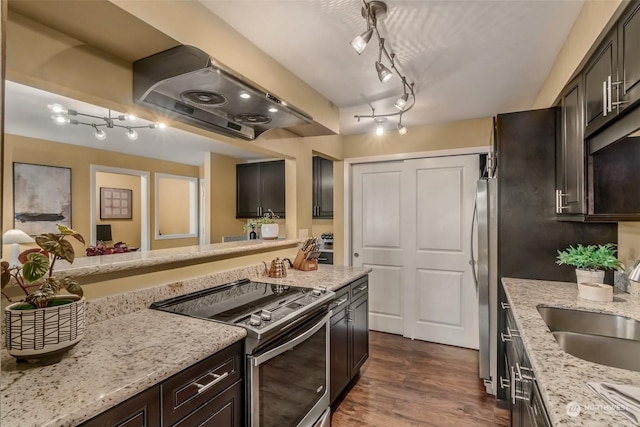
{"x": 44, "y": 332}
{"x": 269, "y": 231}
{"x": 589, "y": 276}
{"x": 595, "y": 291}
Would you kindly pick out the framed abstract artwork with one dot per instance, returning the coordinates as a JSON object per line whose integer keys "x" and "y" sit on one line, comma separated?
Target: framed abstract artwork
{"x": 41, "y": 198}
{"x": 115, "y": 203}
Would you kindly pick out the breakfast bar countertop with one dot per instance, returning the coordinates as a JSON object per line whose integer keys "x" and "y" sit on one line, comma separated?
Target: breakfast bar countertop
{"x": 562, "y": 378}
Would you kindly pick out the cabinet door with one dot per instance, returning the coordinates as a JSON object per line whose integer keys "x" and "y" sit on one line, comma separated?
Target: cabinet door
{"x": 601, "y": 68}
{"x": 571, "y": 156}
{"x": 340, "y": 374}
{"x": 273, "y": 187}
{"x": 224, "y": 410}
{"x": 142, "y": 410}
{"x": 359, "y": 333}
{"x": 629, "y": 56}
{"x": 322, "y": 188}
{"x": 248, "y": 190}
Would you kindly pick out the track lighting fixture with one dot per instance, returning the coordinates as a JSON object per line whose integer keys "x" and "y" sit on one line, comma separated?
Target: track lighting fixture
{"x": 361, "y": 40}
{"x": 380, "y": 125}
{"x": 62, "y": 116}
{"x": 402, "y": 130}
{"x": 372, "y": 12}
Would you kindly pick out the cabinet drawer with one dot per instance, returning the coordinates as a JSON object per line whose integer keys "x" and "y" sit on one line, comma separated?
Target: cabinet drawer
{"x": 224, "y": 410}
{"x": 359, "y": 287}
{"x": 342, "y": 300}
{"x": 185, "y": 392}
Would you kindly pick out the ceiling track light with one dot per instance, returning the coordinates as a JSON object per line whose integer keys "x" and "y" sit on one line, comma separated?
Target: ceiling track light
{"x": 62, "y": 116}
{"x": 374, "y": 11}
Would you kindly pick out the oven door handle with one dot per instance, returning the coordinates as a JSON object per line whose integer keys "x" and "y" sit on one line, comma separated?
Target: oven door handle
{"x": 257, "y": 360}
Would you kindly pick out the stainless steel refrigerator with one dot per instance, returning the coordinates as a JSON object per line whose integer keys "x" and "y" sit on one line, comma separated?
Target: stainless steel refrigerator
{"x": 518, "y": 232}
{"x": 487, "y": 277}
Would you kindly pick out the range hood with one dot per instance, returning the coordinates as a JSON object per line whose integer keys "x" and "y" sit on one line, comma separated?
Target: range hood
{"x": 185, "y": 82}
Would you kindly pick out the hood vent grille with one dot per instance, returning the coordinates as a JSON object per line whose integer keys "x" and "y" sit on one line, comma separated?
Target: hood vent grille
{"x": 204, "y": 98}
{"x": 187, "y": 85}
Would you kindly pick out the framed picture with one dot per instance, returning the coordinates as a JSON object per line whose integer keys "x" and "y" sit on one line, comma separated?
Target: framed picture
{"x": 115, "y": 203}
{"x": 41, "y": 198}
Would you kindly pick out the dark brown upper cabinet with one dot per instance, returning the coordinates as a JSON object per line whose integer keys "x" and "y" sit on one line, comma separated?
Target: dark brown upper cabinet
{"x": 260, "y": 187}
{"x": 629, "y": 57}
{"x": 600, "y": 76}
{"x": 322, "y": 187}
{"x": 570, "y": 183}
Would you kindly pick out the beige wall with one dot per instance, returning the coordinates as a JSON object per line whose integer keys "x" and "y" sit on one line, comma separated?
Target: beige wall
{"x": 462, "y": 134}
{"x": 79, "y": 159}
{"x": 122, "y": 230}
{"x": 221, "y": 211}
{"x": 593, "y": 19}
{"x": 174, "y": 205}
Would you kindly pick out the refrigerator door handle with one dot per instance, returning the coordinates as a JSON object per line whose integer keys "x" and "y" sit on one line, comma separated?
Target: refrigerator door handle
{"x": 472, "y": 261}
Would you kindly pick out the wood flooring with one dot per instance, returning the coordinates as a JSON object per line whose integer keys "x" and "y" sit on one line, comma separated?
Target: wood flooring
{"x": 415, "y": 383}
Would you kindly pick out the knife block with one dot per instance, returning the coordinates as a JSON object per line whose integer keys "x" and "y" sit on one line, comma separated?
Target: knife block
{"x": 303, "y": 264}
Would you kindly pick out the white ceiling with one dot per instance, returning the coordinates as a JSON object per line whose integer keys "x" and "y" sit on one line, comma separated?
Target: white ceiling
{"x": 468, "y": 59}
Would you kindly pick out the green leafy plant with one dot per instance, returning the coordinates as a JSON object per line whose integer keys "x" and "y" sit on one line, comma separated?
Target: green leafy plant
{"x": 592, "y": 257}
{"x": 38, "y": 263}
{"x": 268, "y": 218}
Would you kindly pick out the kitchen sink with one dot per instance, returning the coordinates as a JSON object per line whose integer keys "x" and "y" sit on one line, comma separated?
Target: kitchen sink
{"x": 607, "y": 339}
{"x": 610, "y": 351}
{"x": 589, "y": 322}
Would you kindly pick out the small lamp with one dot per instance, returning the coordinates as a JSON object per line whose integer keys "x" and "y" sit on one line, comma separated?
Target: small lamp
{"x": 15, "y": 238}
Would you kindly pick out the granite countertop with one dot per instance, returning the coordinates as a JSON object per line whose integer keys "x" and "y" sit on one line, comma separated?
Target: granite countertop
{"x": 561, "y": 377}
{"x": 128, "y": 348}
{"x": 116, "y": 359}
{"x": 86, "y": 266}
{"x": 330, "y": 276}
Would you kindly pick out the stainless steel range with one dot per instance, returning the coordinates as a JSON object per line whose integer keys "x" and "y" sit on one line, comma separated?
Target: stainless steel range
{"x": 287, "y": 346}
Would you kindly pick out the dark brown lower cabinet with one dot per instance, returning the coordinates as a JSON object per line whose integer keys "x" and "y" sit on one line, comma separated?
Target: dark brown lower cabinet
{"x": 142, "y": 410}
{"x": 209, "y": 393}
{"x": 349, "y": 337}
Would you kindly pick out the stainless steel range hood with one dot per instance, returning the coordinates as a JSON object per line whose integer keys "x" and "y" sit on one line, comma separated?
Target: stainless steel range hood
{"x": 185, "y": 82}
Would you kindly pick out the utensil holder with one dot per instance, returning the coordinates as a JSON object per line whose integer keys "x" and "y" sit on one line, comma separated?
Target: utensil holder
{"x": 303, "y": 264}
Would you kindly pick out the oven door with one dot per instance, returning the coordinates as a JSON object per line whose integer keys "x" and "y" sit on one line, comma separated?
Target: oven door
{"x": 289, "y": 380}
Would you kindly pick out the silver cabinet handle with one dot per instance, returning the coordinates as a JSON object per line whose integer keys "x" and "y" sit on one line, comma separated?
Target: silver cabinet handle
{"x": 216, "y": 379}
{"x": 559, "y": 205}
{"x": 341, "y": 301}
{"x": 513, "y": 332}
{"x": 349, "y": 311}
{"x": 362, "y": 288}
{"x": 604, "y": 98}
{"x": 505, "y": 305}
{"x": 524, "y": 377}
{"x": 505, "y": 338}
{"x": 504, "y": 383}
{"x": 609, "y": 107}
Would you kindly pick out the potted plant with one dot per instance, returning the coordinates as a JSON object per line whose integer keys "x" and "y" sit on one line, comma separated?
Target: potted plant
{"x": 269, "y": 230}
{"x": 590, "y": 261}
{"x": 44, "y": 325}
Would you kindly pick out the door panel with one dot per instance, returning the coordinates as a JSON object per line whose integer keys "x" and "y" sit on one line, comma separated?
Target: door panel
{"x": 440, "y": 297}
{"x": 381, "y": 204}
{"x": 377, "y": 240}
{"x": 439, "y": 209}
{"x": 385, "y": 298}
